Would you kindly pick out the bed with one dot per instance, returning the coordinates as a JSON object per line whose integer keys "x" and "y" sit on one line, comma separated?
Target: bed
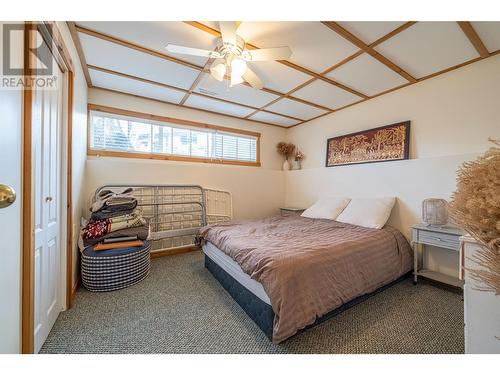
{"x": 291, "y": 272}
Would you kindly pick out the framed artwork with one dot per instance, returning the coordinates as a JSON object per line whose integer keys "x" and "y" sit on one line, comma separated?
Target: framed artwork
{"x": 386, "y": 143}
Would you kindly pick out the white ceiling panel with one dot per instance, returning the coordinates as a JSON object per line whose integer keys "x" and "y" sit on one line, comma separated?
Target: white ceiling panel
{"x": 273, "y": 119}
{"x": 156, "y": 35}
{"x": 327, "y": 95}
{"x": 202, "y": 102}
{"x": 428, "y": 47}
{"x": 296, "y": 109}
{"x": 422, "y": 49}
{"x": 132, "y": 86}
{"x": 313, "y": 45}
{"x": 115, "y": 57}
{"x": 489, "y": 32}
{"x": 241, "y": 94}
{"x": 367, "y": 75}
{"x": 277, "y": 76}
{"x": 370, "y": 31}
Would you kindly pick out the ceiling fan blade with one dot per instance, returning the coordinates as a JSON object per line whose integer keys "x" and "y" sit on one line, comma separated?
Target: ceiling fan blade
{"x": 228, "y": 31}
{"x": 183, "y": 50}
{"x": 253, "y": 79}
{"x": 266, "y": 54}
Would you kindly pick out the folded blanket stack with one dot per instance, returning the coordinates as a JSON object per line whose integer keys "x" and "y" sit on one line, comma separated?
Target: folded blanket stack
{"x": 115, "y": 219}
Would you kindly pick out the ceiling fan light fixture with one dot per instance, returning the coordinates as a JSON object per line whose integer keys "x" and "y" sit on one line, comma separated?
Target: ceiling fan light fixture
{"x": 229, "y": 59}
{"x": 236, "y": 79}
{"x": 238, "y": 67}
{"x": 218, "y": 71}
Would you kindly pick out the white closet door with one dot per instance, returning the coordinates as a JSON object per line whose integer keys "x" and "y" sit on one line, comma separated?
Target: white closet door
{"x": 47, "y": 125}
{"x": 10, "y": 217}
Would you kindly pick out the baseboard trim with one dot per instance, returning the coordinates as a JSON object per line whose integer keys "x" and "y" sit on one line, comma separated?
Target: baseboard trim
{"x": 176, "y": 251}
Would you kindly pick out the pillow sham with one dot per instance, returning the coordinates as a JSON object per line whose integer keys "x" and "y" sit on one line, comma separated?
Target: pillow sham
{"x": 326, "y": 208}
{"x": 368, "y": 212}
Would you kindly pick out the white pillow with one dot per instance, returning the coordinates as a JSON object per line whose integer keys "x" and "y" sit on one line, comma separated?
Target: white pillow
{"x": 326, "y": 208}
{"x": 368, "y": 212}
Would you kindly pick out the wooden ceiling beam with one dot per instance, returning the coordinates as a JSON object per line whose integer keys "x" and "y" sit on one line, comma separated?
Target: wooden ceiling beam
{"x": 366, "y": 48}
{"x": 455, "y": 67}
{"x": 152, "y": 52}
{"x": 467, "y": 30}
{"x": 135, "y": 46}
{"x": 156, "y": 83}
{"x": 337, "y": 65}
{"x": 185, "y": 106}
{"x": 392, "y": 33}
{"x": 323, "y": 78}
{"x": 79, "y": 51}
{"x": 474, "y": 38}
{"x": 196, "y": 81}
{"x": 299, "y": 68}
{"x": 285, "y": 95}
{"x": 145, "y": 80}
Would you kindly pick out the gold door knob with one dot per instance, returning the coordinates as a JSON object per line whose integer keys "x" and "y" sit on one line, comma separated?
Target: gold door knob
{"x": 7, "y": 196}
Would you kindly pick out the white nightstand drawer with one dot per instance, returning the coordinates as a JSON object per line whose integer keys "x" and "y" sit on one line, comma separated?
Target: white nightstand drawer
{"x": 439, "y": 239}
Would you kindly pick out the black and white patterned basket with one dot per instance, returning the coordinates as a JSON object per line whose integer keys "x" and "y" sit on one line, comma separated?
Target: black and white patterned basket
{"x": 107, "y": 270}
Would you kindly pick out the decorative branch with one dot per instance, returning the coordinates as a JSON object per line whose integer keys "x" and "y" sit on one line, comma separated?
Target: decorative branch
{"x": 285, "y": 149}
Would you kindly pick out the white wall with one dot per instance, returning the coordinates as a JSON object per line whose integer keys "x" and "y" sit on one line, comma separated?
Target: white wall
{"x": 451, "y": 116}
{"x": 256, "y": 191}
{"x": 79, "y": 141}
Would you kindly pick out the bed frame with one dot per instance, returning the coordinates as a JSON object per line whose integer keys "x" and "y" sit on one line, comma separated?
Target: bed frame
{"x": 262, "y": 313}
{"x": 177, "y": 212}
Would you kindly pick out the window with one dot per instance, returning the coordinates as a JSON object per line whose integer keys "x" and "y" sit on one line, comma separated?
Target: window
{"x": 116, "y": 132}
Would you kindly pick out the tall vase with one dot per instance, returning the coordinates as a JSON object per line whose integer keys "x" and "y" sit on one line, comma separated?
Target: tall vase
{"x": 286, "y": 165}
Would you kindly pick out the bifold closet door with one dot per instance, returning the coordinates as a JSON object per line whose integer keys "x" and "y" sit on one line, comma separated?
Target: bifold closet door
{"x": 47, "y": 131}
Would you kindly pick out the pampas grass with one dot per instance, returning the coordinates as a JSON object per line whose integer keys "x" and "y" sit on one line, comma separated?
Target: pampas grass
{"x": 475, "y": 207}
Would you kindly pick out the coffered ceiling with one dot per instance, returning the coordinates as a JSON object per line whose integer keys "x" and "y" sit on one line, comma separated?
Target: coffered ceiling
{"x": 333, "y": 65}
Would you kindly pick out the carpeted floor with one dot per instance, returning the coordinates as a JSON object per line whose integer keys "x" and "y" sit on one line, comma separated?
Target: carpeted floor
{"x": 181, "y": 308}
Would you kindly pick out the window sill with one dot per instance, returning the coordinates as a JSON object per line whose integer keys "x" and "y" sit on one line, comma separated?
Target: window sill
{"x": 134, "y": 155}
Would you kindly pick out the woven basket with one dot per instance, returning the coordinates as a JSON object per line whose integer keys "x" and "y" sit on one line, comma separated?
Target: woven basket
{"x": 107, "y": 270}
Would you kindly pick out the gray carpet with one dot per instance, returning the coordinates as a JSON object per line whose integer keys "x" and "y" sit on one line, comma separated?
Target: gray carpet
{"x": 181, "y": 308}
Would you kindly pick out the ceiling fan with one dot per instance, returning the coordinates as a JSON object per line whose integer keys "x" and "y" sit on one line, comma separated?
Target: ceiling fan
{"x": 230, "y": 56}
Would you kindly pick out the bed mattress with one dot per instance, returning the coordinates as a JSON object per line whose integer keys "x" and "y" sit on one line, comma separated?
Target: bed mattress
{"x": 307, "y": 267}
{"x": 258, "y": 310}
{"x": 232, "y": 268}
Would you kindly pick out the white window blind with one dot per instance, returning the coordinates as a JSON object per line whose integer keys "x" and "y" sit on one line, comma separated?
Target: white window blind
{"x": 110, "y": 132}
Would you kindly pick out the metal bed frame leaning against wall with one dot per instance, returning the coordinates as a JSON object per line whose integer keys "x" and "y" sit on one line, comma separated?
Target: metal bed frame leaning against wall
{"x": 177, "y": 212}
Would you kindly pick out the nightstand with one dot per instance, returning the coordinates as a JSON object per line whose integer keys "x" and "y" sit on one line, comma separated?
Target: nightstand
{"x": 440, "y": 237}
{"x": 291, "y": 211}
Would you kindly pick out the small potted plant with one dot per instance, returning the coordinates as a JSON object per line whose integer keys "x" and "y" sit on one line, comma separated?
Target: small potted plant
{"x": 286, "y": 150}
{"x": 299, "y": 156}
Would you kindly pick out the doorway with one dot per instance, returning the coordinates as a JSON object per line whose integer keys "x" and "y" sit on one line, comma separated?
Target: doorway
{"x": 47, "y": 245}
